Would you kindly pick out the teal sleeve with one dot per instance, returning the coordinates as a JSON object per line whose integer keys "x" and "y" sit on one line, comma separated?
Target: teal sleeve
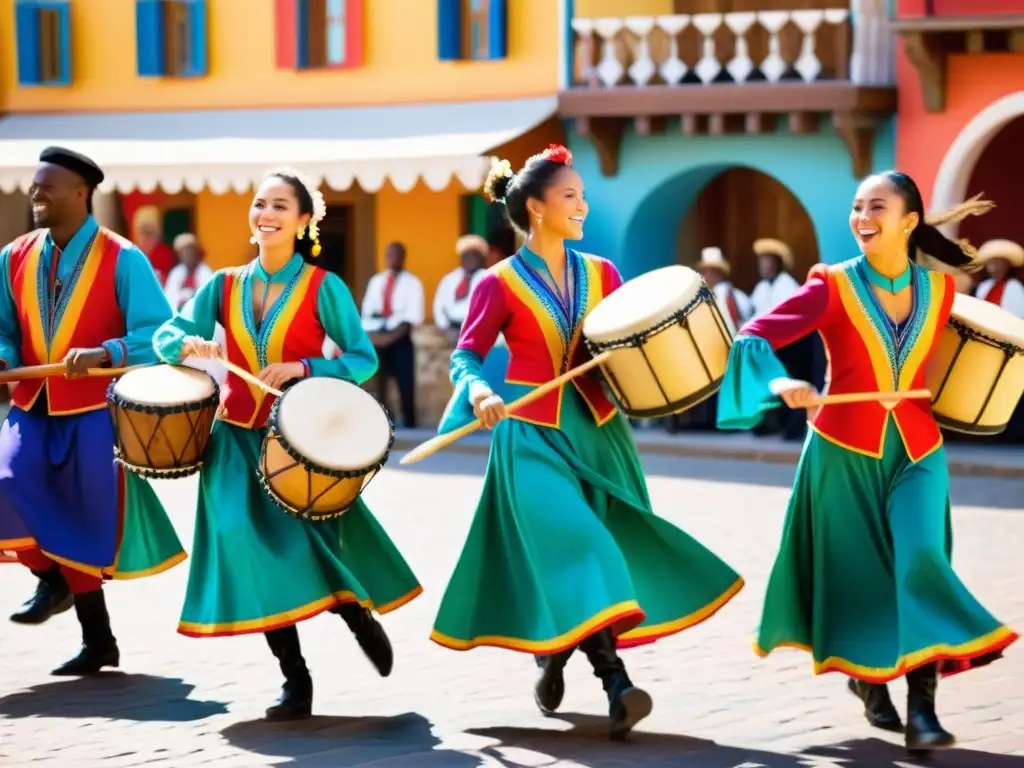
{"x": 197, "y": 318}
{"x": 10, "y": 328}
{"x": 466, "y": 368}
{"x": 745, "y": 395}
{"x": 145, "y": 309}
{"x": 340, "y": 319}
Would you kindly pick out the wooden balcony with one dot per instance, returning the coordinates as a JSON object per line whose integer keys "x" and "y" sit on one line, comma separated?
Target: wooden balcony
{"x": 930, "y": 40}
{"x": 744, "y": 72}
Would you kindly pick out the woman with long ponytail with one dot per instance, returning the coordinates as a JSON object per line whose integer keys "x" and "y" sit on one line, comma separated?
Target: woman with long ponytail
{"x": 863, "y": 578}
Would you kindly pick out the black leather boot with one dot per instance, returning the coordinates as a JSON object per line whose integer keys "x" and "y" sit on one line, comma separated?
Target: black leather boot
{"x": 52, "y": 596}
{"x": 550, "y": 686}
{"x": 924, "y": 732}
{"x": 370, "y": 635}
{"x": 878, "y": 707}
{"x": 296, "y": 699}
{"x": 627, "y": 704}
{"x": 99, "y": 648}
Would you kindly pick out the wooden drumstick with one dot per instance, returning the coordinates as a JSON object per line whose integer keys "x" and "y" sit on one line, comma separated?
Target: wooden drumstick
{"x": 435, "y": 444}
{"x": 244, "y": 374}
{"x": 27, "y": 372}
{"x": 867, "y": 397}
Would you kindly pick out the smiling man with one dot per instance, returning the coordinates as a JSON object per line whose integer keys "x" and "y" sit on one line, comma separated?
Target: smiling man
{"x": 75, "y": 292}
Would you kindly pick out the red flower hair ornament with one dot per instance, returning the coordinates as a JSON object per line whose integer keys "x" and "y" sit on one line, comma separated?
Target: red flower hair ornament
{"x": 556, "y": 153}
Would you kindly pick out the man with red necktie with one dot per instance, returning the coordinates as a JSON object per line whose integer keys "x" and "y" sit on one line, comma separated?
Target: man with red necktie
{"x": 392, "y": 307}
{"x": 451, "y": 301}
{"x": 1001, "y": 288}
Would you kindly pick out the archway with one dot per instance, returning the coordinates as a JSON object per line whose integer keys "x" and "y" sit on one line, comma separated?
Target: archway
{"x": 998, "y": 173}
{"x": 737, "y": 207}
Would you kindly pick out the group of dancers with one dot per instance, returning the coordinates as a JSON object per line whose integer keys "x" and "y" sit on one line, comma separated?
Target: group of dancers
{"x": 565, "y": 551}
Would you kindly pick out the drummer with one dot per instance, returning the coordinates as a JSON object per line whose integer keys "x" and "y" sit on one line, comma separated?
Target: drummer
{"x": 71, "y": 515}
{"x": 564, "y": 551}
{"x": 277, "y": 311}
{"x": 1001, "y": 258}
{"x": 863, "y": 578}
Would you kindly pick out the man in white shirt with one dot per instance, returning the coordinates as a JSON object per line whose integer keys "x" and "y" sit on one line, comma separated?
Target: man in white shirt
{"x": 183, "y": 281}
{"x": 774, "y": 264}
{"x": 451, "y": 301}
{"x": 734, "y": 304}
{"x": 1001, "y": 288}
{"x": 392, "y": 307}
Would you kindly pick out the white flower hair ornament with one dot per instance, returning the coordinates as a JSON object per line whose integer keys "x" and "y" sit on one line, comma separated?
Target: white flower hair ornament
{"x": 319, "y": 206}
{"x": 498, "y": 180}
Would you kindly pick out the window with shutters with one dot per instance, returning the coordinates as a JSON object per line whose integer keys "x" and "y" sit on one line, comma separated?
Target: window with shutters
{"x": 325, "y": 33}
{"x": 319, "y": 34}
{"x": 43, "y": 42}
{"x": 476, "y": 28}
{"x": 171, "y": 38}
{"x": 177, "y": 38}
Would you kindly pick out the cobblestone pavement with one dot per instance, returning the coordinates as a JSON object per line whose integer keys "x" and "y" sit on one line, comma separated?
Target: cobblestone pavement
{"x": 185, "y": 702}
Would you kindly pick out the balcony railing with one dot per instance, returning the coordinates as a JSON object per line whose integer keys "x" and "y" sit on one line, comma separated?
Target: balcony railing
{"x": 853, "y": 44}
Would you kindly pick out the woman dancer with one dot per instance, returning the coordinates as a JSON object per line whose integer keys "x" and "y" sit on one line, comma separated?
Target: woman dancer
{"x": 564, "y": 550}
{"x": 863, "y": 578}
{"x": 254, "y": 568}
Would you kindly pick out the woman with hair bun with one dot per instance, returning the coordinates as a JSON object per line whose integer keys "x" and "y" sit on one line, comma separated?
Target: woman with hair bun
{"x": 564, "y": 550}
{"x": 254, "y": 568}
{"x": 863, "y": 579}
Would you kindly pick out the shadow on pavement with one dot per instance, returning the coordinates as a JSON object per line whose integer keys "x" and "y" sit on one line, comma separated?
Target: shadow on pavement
{"x": 116, "y": 696}
{"x": 337, "y": 742}
{"x": 586, "y": 743}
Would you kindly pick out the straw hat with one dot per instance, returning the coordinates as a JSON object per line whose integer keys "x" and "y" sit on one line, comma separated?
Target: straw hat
{"x": 1002, "y": 249}
{"x": 768, "y": 246}
{"x": 471, "y": 243}
{"x": 184, "y": 240}
{"x": 712, "y": 258}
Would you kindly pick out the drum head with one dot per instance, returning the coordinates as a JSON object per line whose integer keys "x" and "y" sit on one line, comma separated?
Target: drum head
{"x": 164, "y": 385}
{"x": 334, "y": 424}
{"x": 985, "y": 317}
{"x": 642, "y": 303}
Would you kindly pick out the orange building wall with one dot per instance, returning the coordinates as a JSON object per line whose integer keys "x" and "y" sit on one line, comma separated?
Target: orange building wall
{"x": 401, "y": 64}
{"x": 972, "y": 83}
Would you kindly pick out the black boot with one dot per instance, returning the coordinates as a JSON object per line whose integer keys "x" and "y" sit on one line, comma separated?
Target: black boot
{"x": 52, "y": 597}
{"x": 924, "y": 732}
{"x": 878, "y": 707}
{"x": 99, "y": 648}
{"x": 296, "y": 699}
{"x": 370, "y": 635}
{"x": 550, "y": 686}
{"x": 627, "y": 704}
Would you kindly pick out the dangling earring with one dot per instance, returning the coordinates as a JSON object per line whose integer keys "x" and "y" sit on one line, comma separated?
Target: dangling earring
{"x": 906, "y": 231}
{"x": 539, "y": 220}
{"x": 302, "y": 232}
{"x": 252, "y": 240}
{"x": 315, "y": 250}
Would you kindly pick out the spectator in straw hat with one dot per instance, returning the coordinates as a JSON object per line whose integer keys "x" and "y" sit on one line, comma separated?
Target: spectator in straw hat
{"x": 735, "y": 305}
{"x": 190, "y": 274}
{"x": 1001, "y": 288}
{"x": 451, "y": 301}
{"x": 774, "y": 265}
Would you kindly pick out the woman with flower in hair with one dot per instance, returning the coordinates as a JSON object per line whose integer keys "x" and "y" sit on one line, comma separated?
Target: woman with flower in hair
{"x": 863, "y": 578}
{"x": 564, "y": 550}
{"x": 254, "y": 568}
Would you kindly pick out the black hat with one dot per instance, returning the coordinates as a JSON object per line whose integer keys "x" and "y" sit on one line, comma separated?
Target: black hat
{"x": 75, "y": 162}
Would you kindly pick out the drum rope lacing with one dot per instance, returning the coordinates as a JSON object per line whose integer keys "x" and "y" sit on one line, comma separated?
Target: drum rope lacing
{"x": 115, "y": 402}
{"x": 966, "y": 333}
{"x": 680, "y": 318}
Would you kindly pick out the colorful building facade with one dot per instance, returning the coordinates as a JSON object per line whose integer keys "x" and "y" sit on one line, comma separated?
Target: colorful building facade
{"x": 394, "y": 106}
{"x": 707, "y": 123}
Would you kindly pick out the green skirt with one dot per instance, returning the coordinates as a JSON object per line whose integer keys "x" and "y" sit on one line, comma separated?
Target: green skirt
{"x": 863, "y": 579}
{"x": 564, "y": 543}
{"x": 257, "y": 568}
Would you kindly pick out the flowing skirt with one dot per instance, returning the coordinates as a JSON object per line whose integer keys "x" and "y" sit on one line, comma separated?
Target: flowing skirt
{"x": 863, "y": 579}
{"x": 257, "y": 568}
{"x": 60, "y": 491}
{"x": 564, "y": 543}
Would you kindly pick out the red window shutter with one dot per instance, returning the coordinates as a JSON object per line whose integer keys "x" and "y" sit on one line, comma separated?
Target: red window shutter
{"x": 354, "y": 33}
{"x": 286, "y": 33}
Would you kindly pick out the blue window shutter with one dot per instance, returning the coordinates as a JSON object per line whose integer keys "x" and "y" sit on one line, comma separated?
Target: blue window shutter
{"x": 64, "y": 9}
{"x": 27, "y": 23}
{"x": 449, "y": 30}
{"x": 302, "y": 34}
{"x": 497, "y": 29}
{"x": 198, "y": 38}
{"x": 149, "y": 38}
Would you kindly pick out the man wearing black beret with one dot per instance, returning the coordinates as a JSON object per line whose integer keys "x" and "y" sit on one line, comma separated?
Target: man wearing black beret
{"x": 77, "y": 293}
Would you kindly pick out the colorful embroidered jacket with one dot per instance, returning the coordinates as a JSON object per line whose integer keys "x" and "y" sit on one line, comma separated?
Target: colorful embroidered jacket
{"x": 867, "y": 352}
{"x": 518, "y": 299}
{"x": 313, "y": 304}
{"x": 100, "y": 292}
